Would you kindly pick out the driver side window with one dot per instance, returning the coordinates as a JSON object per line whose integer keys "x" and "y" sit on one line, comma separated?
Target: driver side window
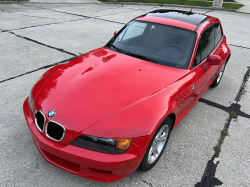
{"x": 207, "y": 42}
{"x": 205, "y": 46}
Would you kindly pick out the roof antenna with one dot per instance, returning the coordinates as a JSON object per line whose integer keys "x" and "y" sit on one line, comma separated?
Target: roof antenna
{"x": 191, "y": 10}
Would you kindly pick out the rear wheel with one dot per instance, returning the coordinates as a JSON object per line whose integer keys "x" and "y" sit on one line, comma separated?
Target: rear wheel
{"x": 157, "y": 145}
{"x": 219, "y": 76}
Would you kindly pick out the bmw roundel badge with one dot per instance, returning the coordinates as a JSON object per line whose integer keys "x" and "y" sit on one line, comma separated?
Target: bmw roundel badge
{"x": 192, "y": 87}
{"x": 51, "y": 113}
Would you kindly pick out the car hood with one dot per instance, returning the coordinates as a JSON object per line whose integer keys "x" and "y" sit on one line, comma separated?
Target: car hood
{"x": 98, "y": 84}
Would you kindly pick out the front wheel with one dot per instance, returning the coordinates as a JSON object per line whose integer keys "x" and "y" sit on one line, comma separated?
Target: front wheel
{"x": 219, "y": 76}
{"x": 157, "y": 145}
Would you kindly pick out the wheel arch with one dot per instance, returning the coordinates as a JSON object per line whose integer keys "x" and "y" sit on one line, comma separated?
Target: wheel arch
{"x": 228, "y": 57}
{"x": 173, "y": 118}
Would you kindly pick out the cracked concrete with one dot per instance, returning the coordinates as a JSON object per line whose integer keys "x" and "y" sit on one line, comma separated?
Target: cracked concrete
{"x": 36, "y": 36}
{"x": 58, "y": 49}
{"x": 208, "y": 178}
{"x": 19, "y": 55}
{"x": 25, "y": 18}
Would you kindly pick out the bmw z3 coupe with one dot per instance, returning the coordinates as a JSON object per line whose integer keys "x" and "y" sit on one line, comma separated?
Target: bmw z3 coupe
{"x": 110, "y": 111}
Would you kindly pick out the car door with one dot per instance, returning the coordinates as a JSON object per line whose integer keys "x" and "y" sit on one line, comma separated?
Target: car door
{"x": 203, "y": 76}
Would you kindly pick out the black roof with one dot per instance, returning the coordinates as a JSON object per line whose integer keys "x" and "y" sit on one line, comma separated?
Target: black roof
{"x": 184, "y": 16}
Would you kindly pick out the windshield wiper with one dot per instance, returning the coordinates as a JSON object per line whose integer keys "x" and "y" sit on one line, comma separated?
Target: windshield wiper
{"x": 119, "y": 50}
{"x": 142, "y": 57}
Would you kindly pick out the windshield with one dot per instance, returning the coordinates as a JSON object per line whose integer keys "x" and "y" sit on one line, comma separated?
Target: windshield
{"x": 162, "y": 44}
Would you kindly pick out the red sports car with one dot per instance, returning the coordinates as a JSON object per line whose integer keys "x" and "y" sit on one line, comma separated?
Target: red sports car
{"x": 110, "y": 111}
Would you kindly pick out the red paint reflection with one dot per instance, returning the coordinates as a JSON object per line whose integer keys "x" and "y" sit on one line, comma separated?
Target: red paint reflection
{"x": 87, "y": 70}
{"x": 108, "y": 58}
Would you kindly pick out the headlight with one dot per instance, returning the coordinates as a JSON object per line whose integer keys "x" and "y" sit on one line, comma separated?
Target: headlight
{"x": 103, "y": 145}
{"x": 31, "y": 103}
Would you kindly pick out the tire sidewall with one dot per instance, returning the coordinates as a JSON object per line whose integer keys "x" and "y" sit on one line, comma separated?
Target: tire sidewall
{"x": 215, "y": 83}
{"x": 144, "y": 166}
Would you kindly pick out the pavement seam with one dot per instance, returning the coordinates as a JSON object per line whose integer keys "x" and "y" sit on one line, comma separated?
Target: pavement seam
{"x": 120, "y": 13}
{"x": 88, "y": 17}
{"x": 44, "y": 67}
{"x": 107, "y": 9}
{"x": 96, "y": 17}
{"x": 239, "y": 46}
{"x": 35, "y": 16}
{"x": 234, "y": 107}
{"x": 79, "y": 15}
{"x": 148, "y": 183}
{"x": 40, "y": 43}
{"x": 208, "y": 179}
{"x": 42, "y": 25}
{"x": 208, "y": 11}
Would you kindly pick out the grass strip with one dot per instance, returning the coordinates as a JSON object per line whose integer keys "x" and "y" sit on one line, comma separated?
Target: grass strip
{"x": 232, "y": 6}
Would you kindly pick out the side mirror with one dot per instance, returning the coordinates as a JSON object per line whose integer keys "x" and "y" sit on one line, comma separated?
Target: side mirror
{"x": 212, "y": 60}
{"x": 115, "y": 33}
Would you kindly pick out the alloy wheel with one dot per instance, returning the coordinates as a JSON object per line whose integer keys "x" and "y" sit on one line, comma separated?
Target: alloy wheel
{"x": 158, "y": 144}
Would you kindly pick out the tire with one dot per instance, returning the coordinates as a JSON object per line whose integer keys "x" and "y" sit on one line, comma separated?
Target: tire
{"x": 219, "y": 76}
{"x": 157, "y": 145}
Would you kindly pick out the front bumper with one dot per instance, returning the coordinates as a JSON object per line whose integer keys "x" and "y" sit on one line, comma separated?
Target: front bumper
{"x": 86, "y": 163}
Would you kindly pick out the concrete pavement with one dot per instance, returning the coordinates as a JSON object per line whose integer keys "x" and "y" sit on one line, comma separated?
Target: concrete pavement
{"x": 246, "y": 8}
{"x": 36, "y": 36}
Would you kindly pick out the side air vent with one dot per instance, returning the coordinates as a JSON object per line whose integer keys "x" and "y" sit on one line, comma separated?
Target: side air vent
{"x": 55, "y": 131}
{"x": 39, "y": 120}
